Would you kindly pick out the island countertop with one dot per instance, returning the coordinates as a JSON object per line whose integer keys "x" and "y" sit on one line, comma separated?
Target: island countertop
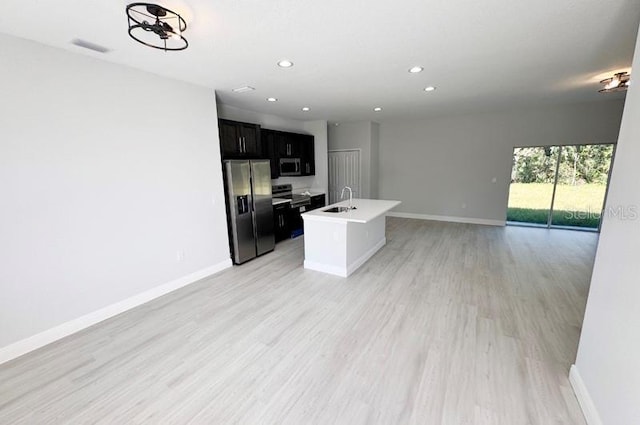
{"x": 366, "y": 210}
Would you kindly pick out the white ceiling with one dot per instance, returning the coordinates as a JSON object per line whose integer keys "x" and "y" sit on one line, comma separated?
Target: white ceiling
{"x": 353, "y": 55}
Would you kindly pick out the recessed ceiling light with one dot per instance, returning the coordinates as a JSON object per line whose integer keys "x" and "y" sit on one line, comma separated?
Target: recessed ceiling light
{"x": 416, "y": 69}
{"x": 306, "y": 109}
{"x": 430, "y": 88}
{"x": 377, "y": 109}
{"x": 285, "y": 63}
{"x": 272, "y": 99}
{"x": 242, "y": 89}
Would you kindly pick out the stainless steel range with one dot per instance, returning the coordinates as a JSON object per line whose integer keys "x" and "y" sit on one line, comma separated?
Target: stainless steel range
{"x": 299, "y": 204}
{"x": 286, "y": 191}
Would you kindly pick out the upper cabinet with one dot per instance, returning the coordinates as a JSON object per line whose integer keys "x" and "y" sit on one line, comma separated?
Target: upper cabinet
{"x": 307, "y": 155}
{"x": 288, "y": 144}
{"x": 244, "y": 140}
{"x": 270, "y": 150}
{"x": 239, "y": 139}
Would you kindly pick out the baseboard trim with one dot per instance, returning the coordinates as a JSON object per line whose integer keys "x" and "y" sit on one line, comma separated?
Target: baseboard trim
{"x": 324, "y": 268}
{"x": 364, "y": 257}
{"x": 451, "y": 219}
{"x": 584, "y": 399}
{"x": 56, "y": 333}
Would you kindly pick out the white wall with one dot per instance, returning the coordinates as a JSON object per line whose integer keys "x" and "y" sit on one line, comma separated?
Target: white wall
{"x": 608, "y": 360}
{"x": 357, "y": 135}
{"x": 273, "y": 122}
{"x": 375, "y": 161}
{"x": 444, "y": 166}
{"x": 319, "y": 130}
{"x": 105, "y": 173}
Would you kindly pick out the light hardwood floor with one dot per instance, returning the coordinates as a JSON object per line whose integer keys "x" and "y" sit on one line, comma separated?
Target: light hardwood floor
{"x": 447, "y": 324}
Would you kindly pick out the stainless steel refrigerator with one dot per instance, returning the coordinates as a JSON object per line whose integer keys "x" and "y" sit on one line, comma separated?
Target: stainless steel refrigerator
{"x": 249, "y": 208}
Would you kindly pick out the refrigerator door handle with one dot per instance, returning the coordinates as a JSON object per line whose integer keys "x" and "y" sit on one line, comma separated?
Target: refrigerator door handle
{"x": 244, "y": 206}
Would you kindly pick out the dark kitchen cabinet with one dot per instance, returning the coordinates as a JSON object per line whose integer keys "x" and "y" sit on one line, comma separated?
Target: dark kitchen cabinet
{"x": 239, "y": 139}
{"x": 307, "y": 155}
{"x": 250, "y": 134}
{"x": 317, "y": 201}
{"x": 282, "y": 144}
{"x": 288, "y": 144}
{"x": 295, "y": 222}
{"x": 229, "y": 137}
{"x": 281, "y": 222}
{"x": 269, "y": 150}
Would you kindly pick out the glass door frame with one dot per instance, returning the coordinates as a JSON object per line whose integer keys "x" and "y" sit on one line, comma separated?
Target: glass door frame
{"x": 550, "y": 224}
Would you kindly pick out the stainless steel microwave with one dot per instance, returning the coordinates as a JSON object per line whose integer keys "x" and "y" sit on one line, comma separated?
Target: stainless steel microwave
{"x": 290, "y": 167}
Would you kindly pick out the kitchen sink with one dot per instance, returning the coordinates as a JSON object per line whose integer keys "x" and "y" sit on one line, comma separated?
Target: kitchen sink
{"x": 338, "y": 209}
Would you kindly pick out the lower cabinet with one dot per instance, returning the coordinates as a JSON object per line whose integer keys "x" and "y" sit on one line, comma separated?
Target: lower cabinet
{"x": 281, "y": 222}
{"x": 317, "y": 201}
{"x": 287, "y": 221}
{"x": 296, "y": 224}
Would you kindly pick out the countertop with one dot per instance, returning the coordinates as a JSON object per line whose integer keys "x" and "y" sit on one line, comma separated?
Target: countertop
{"x": 278, "y": 201}
{"x": 366, "y": 210}
{"x": 309, "y": 192}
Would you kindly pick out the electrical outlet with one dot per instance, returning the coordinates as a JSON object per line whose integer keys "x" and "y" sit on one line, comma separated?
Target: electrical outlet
{"x": 180, "y": 255}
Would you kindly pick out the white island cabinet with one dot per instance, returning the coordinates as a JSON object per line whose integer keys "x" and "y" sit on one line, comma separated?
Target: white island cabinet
{"x": 339, "y": 243}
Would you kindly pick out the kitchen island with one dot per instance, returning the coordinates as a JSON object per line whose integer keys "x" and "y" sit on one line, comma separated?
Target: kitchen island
{"x": 340, "y": 242}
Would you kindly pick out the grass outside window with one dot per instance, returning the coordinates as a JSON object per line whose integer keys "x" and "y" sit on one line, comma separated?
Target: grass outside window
{"x": 575, "y": 205}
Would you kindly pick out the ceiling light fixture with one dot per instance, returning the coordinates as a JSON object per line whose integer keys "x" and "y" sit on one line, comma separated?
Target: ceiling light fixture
{"x": 619, "y": 82}
{"x": 156, "y": 26}
{"x": 284, "y": 63}
{"x": 430, "y": 88}
{"x": 377, "y": 109}
{"x": 416, "y": 69}
{"x": 306, "y": 109}
{"x": 272, "y": 99}
{"x": 243, "y": 89}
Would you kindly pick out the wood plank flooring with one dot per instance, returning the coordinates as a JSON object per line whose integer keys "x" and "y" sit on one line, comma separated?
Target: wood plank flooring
{"x": 448, "y": 324}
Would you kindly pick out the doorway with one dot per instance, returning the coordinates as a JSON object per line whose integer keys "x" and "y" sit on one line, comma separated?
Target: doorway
{"x": 559, "y": 186}
{"x": 344, "y": 170}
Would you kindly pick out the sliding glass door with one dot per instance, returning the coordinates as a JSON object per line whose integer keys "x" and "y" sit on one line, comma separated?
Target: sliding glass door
{"x": 531, "y": 190}
{"x": 559, "y": 186}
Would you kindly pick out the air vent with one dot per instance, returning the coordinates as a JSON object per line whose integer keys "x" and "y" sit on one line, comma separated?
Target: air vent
{"x": 91, "y": 46}
{"x": 243, "y": 89}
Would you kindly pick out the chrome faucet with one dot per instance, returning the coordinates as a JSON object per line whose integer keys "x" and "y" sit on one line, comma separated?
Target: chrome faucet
{"x": 350, "y": 196}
